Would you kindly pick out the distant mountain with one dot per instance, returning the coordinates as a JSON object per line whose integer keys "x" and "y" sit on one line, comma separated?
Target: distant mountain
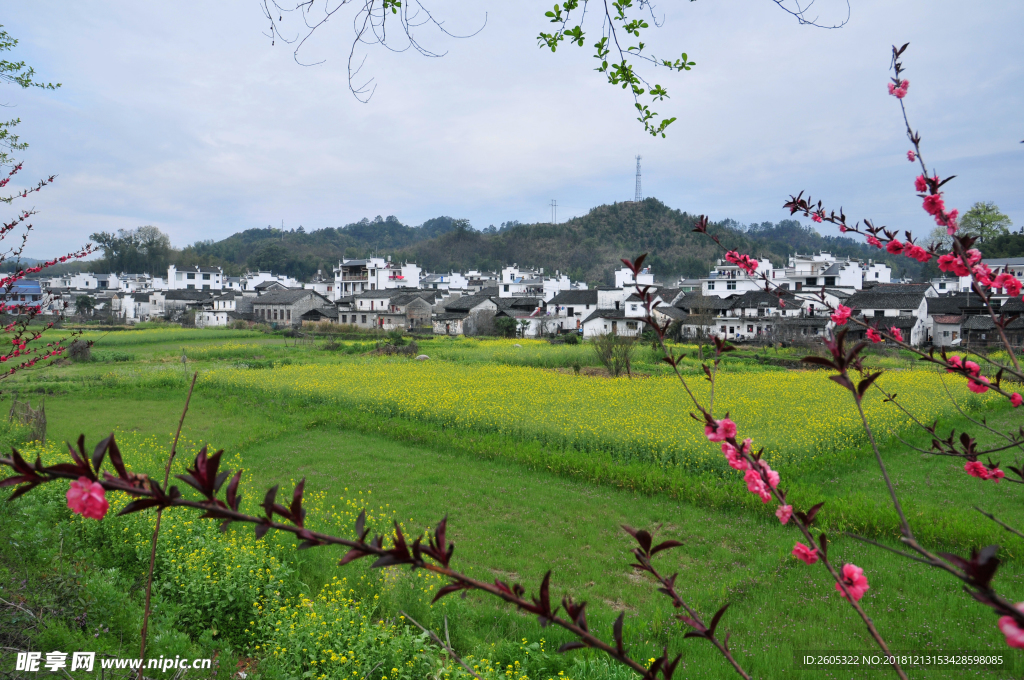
{"x": 587, "y": 248}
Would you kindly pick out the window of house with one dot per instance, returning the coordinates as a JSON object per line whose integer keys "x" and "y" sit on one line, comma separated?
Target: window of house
{"x": 190, "y": 276}
{"x": 206, "y": 286}
{"x": 732, "y": 329}
{"x": 942, "y": 286}
{"x": 289, "y": 315}
{"x": 830, "y": 280}
{"x": 876, "y": 275}
{"x": 570, "y": 310}
{"x": 631, "y": 325}
{"x": 364, "y": 318}
{"x": 906, "y": 312}
{"x": 711, "y": 285}
{"x": 344, "y": 318}
{"x": 812, "y": 281}
{"x": 730, "y": 285}
{"x": 632, "y": 308}
{"x": 275, "y": 315}
{"x": 191, "y": 286}
{"x": 206, "y": 277}
{"x": 723, "y": 329}
{"x": 945, "y": 334}
{"x": 750, "y": 329}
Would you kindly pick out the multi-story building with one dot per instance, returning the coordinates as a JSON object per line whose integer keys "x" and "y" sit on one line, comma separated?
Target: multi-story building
{"x": 195, "y": 278}
{"x": 352, "y": 277}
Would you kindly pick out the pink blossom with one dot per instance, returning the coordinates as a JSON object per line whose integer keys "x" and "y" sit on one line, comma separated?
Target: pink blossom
{"x": 87, "y": 498}
{"x": 955, "y": 361}
{"x": 995, "y": 474}
{"x": 978, "y": 385}
{"x": 784, "y": 512}
{"x": 842, "y": 315}
{"x": 722, "y": 429}
{"x": 854, "y": 580}
{"x": 911, "y": 156}
{"x": 872, "y": 241}
{"x": 921, "y": 184}
{"x": 982, "y": 274}
{"x": 973, "y": 256}
{"x": 736, "y": 460}
{"x": 1014, "y": 633}
{"x": 1016, "y": 399}
{"x": 773, "y": 476}
{"x": 976, "y": 469}
{"x": 894, "y": 247}
{"x": 1009, "y": 282}
{"x": 816, "y": 217}
{"x": 744, "y": 262}
{"x": 805, "y": 554}
{"x": 756, "y": 485}
{"x": 892, "y": 89}
{"x": 874, "y": 335}
{"x": 842, "y": 228}
{"x": 918, "y": 253}
{"x": 972, "y": 368}
{"x": 896, "y": 333}
{"x": 905, "y": 85}
{"x": 933, "y": 204}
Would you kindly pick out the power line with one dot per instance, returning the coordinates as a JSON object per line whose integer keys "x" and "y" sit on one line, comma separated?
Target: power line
{"x": 639, "y": 194}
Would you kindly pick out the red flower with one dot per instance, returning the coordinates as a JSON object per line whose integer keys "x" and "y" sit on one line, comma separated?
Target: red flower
{"x": 921, "y": 184}
{"x": 784, "y": 512}
{"x": 736, "y": 460}
{"x": 872, "y": 241}
{"x": 854, "y": 580}
{"x": 1016, "y": 399}
{"x": 816, "y": 217}
{"x": 933, "y": 204}
{"x": 911, "y": 156}
{"x": 918, "y": 253}
{"x": 896, "y": 333}
{"x": 87, "y": 498}
{"x": 873, "y": 335}
{"x": 1008, "y": 627}
{"x": 721, "y": 430}
{"x": 842, "y": 315}
{"x": 1009, "y": 282}
{"x": 978, "y": 385}
{"x": 805, "y": 554}
{"x": 976, "y": 469}
{"x": 894, "y": 247}
{"x": 951, "y": 263}
{"x": 756, "y": 485}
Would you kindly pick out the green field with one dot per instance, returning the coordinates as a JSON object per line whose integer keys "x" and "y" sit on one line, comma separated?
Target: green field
{"x": 536, "y": 463}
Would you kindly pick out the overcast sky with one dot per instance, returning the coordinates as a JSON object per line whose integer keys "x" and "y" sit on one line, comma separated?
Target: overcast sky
{"x": 182, "y": 115}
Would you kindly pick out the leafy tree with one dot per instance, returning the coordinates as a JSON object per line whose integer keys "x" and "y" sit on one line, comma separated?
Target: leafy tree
{"x": 84, "y": 305}
{"x": 15, "y": 73}
{"x": 506, "y": 326}
{"x": 143, "y": 249}
{"x": 985, "y": 221}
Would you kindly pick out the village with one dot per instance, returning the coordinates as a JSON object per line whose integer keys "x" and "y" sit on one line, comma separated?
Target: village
{"x": 376, "y": 293}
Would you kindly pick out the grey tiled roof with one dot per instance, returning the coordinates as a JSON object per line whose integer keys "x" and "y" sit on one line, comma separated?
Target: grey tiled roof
{"x": 875, "y": 299}
{"x": 575, "y": 297}
{"x": 289, "y": 296}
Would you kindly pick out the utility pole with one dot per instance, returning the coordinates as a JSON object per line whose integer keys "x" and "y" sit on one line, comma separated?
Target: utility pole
{"x": 554, "y": 211}
{"x": 639, "y": 194}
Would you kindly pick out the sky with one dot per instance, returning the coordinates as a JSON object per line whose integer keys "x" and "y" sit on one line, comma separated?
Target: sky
{"x": 184, "y": 116}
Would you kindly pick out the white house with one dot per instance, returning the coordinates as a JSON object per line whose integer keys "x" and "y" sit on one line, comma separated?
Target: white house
{"x": 1000, "y": 265}
{"x": 195, "y": 278}
{"x": 352, "y": 277}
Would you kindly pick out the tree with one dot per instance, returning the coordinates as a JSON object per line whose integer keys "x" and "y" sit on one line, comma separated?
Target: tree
{"x": 84, "y": 305}
{"x": 143, "y": 249}
{"x": 506, "y": 326}
{"x": 985, "y": 221}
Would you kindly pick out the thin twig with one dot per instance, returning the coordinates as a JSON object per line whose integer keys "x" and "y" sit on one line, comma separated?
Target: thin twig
{"x": 159, "y": 514}
{"x": 999, "y": 522}
{"x": 439, "y": 641}
{"x": 890, "y": 549}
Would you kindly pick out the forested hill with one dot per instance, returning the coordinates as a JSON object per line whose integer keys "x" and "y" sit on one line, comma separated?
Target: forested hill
{"x": 588, "y": 248}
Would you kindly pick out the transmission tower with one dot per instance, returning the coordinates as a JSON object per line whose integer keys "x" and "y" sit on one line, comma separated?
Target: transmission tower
{"x": 554, "y": 211}
{"x": 639, "y": 194}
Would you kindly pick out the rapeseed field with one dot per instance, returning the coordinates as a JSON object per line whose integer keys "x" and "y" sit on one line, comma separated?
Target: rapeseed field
{"x": 799, "y": 417}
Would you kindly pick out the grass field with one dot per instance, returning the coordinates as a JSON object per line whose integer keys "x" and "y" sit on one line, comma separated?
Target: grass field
{"x": 537, "y": 469}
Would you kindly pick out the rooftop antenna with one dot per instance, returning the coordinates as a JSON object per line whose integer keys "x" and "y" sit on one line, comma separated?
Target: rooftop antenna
{"x": 639, "y": 194}
{"x": 554, "y": 211}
